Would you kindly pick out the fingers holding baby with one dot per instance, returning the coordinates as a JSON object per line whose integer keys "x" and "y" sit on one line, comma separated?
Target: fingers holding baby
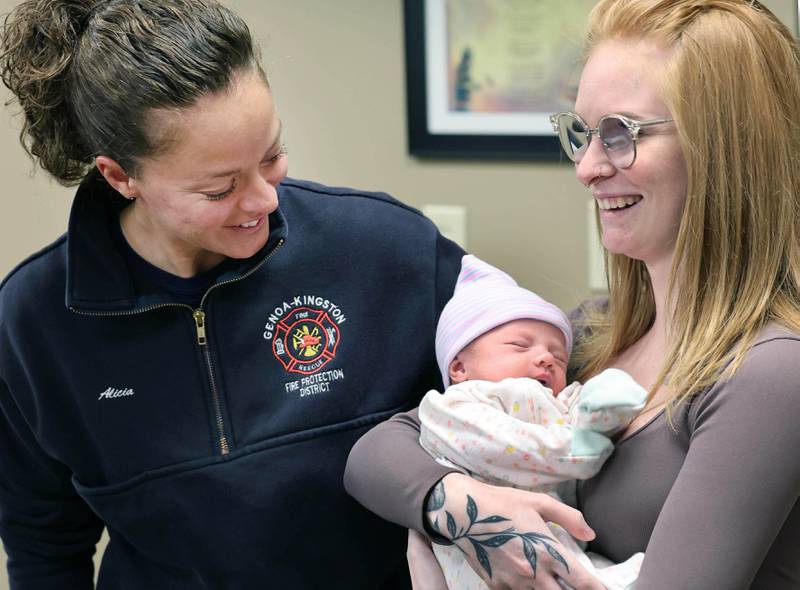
{"x": 488, "y": 552}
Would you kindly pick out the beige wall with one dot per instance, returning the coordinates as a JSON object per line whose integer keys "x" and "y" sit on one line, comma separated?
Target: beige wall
{"x": 337, "y": 73}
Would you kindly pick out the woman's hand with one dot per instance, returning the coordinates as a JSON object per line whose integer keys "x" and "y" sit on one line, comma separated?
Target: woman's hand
{"x": 425, "y": 571}
{"x": 503, "y": 533}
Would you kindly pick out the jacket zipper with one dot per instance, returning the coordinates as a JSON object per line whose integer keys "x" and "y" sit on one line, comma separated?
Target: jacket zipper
{"x": 200, "y": 324}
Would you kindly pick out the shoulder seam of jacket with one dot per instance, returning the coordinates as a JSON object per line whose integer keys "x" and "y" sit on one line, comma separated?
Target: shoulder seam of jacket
{"x": 346, "y": 192}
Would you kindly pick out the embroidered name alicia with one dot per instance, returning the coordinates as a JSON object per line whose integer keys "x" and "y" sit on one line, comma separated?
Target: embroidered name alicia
{"x": 112, "y": 393}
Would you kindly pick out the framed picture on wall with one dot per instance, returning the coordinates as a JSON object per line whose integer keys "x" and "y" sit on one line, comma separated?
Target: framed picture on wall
{"x": 483, "y": 76}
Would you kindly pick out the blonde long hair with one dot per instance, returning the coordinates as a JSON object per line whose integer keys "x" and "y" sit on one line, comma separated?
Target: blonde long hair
{"x": 733, "y": 88}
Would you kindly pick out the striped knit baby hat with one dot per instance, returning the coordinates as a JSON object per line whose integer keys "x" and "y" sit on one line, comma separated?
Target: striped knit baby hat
{"x": 485, "y": 298}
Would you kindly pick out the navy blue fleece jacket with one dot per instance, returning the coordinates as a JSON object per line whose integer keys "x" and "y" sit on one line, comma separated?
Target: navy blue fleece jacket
{"x": 211, "y": 441}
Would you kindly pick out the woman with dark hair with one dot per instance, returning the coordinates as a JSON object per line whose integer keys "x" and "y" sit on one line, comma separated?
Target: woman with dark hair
{"x": 187, "y": 366}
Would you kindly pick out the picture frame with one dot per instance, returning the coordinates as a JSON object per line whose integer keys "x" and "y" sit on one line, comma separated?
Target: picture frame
{"x": 501, "y": 111}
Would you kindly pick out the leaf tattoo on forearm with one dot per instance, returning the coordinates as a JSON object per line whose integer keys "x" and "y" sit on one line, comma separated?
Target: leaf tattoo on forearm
{"x": 482, "y": 542}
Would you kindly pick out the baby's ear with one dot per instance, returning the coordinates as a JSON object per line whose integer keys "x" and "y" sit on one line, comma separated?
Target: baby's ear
{"x": 457, "y": 370}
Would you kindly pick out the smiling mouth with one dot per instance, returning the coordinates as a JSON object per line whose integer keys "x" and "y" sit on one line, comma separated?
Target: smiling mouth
{"x": 249, "y": 223}
{"x": 612, "y": 203}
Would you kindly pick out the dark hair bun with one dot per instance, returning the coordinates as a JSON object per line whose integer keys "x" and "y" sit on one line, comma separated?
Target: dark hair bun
{"x": 39, "y": 40}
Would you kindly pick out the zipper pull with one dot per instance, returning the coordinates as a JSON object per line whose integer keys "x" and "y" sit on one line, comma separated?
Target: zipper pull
{"x": 200, "y": 323}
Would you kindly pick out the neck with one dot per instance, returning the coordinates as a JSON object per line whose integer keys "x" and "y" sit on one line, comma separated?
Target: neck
{"x": 645, "y": 357}
{"x": 169, "y": 255}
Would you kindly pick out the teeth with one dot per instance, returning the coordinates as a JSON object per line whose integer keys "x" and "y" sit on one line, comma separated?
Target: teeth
{"x": 250, "y": 223}
{"x": 617, "y": 202}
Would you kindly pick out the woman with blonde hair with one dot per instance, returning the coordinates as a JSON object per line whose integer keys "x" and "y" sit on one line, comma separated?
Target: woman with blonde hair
{"x": 686, "y": 130}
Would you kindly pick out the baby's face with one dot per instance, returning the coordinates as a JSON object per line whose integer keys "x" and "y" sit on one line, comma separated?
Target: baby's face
{"x": 522, "y": 348}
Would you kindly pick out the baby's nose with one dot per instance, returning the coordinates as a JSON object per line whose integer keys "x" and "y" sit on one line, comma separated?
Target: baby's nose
{"x": 544, "y": 358}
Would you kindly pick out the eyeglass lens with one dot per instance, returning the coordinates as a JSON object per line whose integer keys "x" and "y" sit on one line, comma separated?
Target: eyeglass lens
{"x": 614, "y": 134}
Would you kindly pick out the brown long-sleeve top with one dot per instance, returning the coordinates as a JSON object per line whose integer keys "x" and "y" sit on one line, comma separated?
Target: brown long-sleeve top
{"x": 713, "y": 503}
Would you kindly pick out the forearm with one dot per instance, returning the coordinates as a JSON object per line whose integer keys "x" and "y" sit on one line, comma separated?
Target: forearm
{"x": 29, "y": 572}
{"x": 501, "y": 531}
{"x": 390, "y": 473}
{"x": 49, "y": 533}
{"x": 49, "y": 542}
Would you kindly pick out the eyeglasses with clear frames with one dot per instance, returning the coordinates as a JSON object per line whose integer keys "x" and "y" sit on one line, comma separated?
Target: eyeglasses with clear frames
{"x": 618, "y": 133}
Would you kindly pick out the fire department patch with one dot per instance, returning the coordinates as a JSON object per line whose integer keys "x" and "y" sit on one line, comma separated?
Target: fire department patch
{"x": 305, "y": 340}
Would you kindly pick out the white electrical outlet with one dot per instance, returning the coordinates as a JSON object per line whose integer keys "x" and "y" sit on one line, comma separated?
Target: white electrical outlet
{"x": 595, "y": 251}
{"x": 451, "y": 221}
